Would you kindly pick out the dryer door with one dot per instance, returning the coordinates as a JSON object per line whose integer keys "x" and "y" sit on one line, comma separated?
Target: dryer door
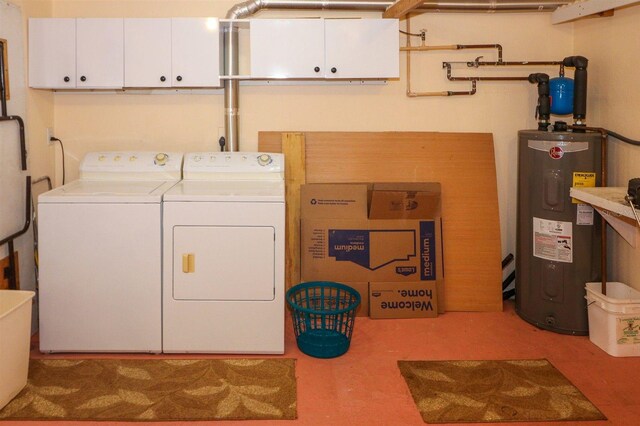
{"x": 223, "y": 262}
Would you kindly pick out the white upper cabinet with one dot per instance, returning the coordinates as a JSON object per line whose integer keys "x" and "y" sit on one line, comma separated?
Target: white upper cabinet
{"x": 195, "y": 53}
{"x": 112, "y": 53}
{"x": 324, "y": 48}
{"x": 147, "y": 52}
{"x": 52, "y": 53}
{"x": 362, "y": 48}
{"x": 99, "y": 53}
{"x": 287, "y": 48}
{"x": 72, "y": 53}
{"x": 172, "y": 52}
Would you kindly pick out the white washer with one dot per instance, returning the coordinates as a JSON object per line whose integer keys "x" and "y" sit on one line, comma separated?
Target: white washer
{"x": 223, "y": 236}
{"x": 100, "y": 254}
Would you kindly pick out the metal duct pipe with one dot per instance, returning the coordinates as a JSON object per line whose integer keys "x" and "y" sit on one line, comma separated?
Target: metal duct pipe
{"x": 231, "y": 87}
{"x": 250, "y": 7}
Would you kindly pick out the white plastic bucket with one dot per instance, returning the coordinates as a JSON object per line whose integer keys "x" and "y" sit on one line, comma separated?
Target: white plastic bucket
{"x": 15, "y": 336}
{"x": 614, "y": 319}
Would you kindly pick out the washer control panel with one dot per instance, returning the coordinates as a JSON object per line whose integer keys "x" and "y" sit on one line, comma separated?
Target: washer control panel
{"x": 233, "y": 165}
{"x": 131, "y": 165}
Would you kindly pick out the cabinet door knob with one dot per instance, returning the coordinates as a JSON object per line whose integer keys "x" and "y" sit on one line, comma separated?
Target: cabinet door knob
{"x": 163, "y": 78}
{"x": 66, "y": 79}
{"x": 334, "y": 70}
{"x": 179, "y": 78}
{"x": 317, "y": 69}
{"x": 83, "y": 78}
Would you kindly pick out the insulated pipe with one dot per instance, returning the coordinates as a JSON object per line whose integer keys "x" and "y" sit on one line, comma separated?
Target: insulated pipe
{"x": 250, "y": 7}
{"x": 544, "y": 102}
{"x": 580, "y": 87}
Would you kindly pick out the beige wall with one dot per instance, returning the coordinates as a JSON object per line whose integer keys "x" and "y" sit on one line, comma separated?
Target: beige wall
{"x": 612, "y": 46}
{"x": 39, "y": 103}
{"x": 189, "y": 122}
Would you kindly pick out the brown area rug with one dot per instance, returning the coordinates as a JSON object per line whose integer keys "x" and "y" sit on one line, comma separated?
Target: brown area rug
{"x": 157, "y": 390}
{"x": 494, "y": 391}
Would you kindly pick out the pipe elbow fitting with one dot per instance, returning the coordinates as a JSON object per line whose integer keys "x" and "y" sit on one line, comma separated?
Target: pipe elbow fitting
{"x": 539, "y": 78}
{"x": 244, "y": 9}
{"x": 578, "y": 62}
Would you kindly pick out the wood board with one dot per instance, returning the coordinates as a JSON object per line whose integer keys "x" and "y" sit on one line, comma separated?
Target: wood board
{"x": 464, "y": 165}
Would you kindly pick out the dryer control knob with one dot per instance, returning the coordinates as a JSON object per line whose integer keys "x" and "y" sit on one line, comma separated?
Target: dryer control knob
{"x": 161, "y": 159}
{"x": 264, "y": 159}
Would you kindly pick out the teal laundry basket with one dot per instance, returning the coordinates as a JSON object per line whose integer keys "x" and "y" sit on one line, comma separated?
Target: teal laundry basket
{"x": 323, "y": 317}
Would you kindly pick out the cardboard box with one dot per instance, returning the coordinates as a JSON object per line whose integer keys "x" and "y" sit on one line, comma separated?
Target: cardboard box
{"x": 372, "y": 233}
{"x": 405, "y": 201}
{"x": 363, "y": 289}
{"x": 403, "y": 300}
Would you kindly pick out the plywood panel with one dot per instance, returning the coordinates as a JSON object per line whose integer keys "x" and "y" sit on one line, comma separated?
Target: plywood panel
{"x": 293, "y": 147}
{"x": 464, "y": 165}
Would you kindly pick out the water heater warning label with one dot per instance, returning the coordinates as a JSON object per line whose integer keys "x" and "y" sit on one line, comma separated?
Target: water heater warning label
{"x": 553, "y": 240}
{"x": 583, "y": 180}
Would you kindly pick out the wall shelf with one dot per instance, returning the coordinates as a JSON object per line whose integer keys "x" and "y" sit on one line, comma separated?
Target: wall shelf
{"x": 610, "y": 203}
{"x": 582, "y": 8}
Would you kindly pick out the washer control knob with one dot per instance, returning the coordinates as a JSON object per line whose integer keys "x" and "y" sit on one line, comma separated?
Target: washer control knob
{"x": 264, "y": 159}
{"x": 161, "y": 159}
{"x": 197, "y": 158}
{"x": 133, "y": 158}
{"x": 102, "y": 158}
{"x": 116, "y": 158}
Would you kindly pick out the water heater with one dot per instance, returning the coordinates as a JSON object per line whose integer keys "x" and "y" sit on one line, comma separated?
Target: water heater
{"x": 558, "y": 238}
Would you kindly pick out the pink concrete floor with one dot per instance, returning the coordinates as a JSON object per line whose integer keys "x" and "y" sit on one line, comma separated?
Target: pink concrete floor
{"x": 364, "y": 386}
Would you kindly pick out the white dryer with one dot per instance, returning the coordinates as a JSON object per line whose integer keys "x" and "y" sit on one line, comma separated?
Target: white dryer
{"x": 100, "y": 254}
{"x": 223, "y": 227}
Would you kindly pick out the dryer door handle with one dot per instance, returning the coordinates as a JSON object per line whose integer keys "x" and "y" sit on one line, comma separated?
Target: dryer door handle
{"x": 188, "y": 263}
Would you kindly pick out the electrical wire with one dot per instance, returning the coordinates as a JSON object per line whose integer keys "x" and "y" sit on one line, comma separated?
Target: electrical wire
{"x": 412, "y": 34}
{"x": 606, "y": 132}
{"x": 54, "y": 139}
{"x": 622, "y": 138}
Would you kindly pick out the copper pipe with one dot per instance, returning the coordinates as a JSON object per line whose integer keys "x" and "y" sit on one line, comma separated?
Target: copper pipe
{"x": 447, "y": 65}
{"x": 476, "y": 64}
{"x": 603, "y": 182}
{"x": 409, "y": 48}
{"x": 423, "y": 47}
{"x": 603, "y": 222}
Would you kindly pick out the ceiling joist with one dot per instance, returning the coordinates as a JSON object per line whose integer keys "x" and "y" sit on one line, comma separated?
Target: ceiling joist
{"x": 401, "y": 7}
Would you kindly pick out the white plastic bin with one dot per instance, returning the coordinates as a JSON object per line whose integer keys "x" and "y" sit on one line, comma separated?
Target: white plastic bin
{"x": 614, "y": 319}
{"x": 15, "y": 336}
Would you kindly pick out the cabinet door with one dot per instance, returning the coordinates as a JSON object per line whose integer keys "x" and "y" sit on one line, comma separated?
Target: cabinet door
{"x": 99, "y": 53}
{"x": 287, "y": 48}
{"x": 223, "y": 262}
{"x": 52, "y": 53}
{"x": 362, "y": 48}
{"x": 195, "y": 52}
{"x": 147, "y": 52}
